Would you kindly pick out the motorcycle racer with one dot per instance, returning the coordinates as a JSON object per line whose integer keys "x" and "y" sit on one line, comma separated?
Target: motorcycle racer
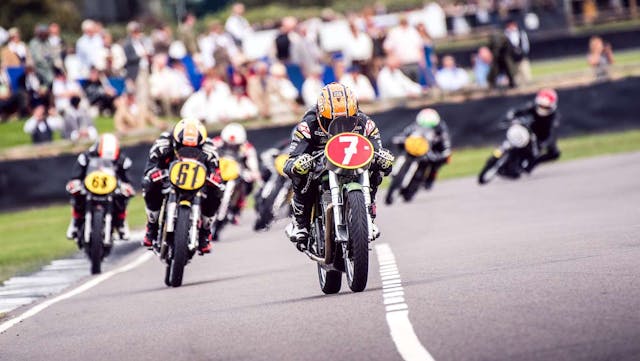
{"x": 336, "y": 102}
{"x": 187, "y": 132}
{"x": 106, "y": 148}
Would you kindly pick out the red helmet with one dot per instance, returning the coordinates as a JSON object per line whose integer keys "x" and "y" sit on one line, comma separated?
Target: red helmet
{"x": 546, "y": 102}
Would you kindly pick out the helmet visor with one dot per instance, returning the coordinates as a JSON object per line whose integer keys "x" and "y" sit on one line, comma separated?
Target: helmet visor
{"x": 342, "y": 125}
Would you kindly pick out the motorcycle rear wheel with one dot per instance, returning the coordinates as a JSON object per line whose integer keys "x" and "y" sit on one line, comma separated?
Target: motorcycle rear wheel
{"x": 357, "y": 258}
{"x": 95, "y": 241}
{"x": 180, "y": 246}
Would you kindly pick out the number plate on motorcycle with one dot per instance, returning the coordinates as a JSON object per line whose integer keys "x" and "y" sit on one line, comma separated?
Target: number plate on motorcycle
{"x": 188, "y": 175}
{"x": 100, "y": 183}
{"x": 280, "y": 162}
{"x": 349, "y": 151}
{"x": 416, "y": 146}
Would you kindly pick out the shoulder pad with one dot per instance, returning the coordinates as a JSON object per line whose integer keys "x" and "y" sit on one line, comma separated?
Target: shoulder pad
{"x": 370, "y": 127}
{"x": 126, "y": 163}
{"x": 82, "y": 159}
{"x": 302, "y": 131}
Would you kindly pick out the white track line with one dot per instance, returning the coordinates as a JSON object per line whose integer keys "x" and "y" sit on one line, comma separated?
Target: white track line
{"x": 76, "y": 291}
{"x": 402, "y": 332}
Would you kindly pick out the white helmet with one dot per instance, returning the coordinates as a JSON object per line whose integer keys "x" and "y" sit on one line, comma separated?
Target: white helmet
{"x": 234, "y": 134}
{"x": 518, "y": 136}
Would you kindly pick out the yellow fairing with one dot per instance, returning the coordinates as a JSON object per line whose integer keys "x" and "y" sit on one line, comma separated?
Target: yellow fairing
{"x": 229, "y": 169}
{"x": 416, "y": 146}
{"x": 280, "y": 162}
{"x": 100, "y": 183}
{"x": 188, "y": 175}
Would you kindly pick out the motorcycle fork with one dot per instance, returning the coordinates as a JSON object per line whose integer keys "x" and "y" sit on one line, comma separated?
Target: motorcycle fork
{"x": 87, "y": 221}
{"x": 108, "y": 218}
{"x": 408, "y": 176}
{"x": 336, "y": 200}
{"x": 195, "y": 218}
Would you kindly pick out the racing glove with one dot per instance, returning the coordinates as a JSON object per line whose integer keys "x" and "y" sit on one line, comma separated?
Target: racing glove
{"x": 127, "y": 190}
{"x": 384, "y": 159}
{"x": 74, "y": 186}
{"x": 303, "y": 164}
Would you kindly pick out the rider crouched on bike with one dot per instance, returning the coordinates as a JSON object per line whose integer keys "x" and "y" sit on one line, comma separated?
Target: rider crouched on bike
{"x": 186, "y": 133}
{"x": 233, "y": 141}
{"x": 106, "y": 148}
{"x": 335, "y": 103}
{"x": 542, "y": 118}
{"x": 428, "y": 120}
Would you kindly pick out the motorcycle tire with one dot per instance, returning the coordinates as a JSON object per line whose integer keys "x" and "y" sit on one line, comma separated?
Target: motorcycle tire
{"x": 489, "y": 171}
{"x": 180, "y": 246}
{"x": 396, "y": 182}
{"x": 330, "y": 280}
{"x": 96, "y": 249}
{"x": 411, "y": 190}
{"x": 357, "y": 258}
{"x": 167, "y": 276}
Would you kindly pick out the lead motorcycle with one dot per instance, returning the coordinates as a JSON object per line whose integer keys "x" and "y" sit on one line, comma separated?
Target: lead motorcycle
{"x": 100, "y": 187}
{"x": 413, "y": 166}
{"x": 341, "y": 226}
{"x": 180, "y": 212}
{"x": 514, "y": 156}
{"x": 273, "y": 199}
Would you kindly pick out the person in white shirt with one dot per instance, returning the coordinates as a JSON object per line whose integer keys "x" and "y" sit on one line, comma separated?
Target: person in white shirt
{"x": 237, "y": 25}
{"x": 405, "y": 43}
{"x": 63, "y": 89}
{"x": 451, "y": 78}
{"x": 282, "y": 93}
{"x": 312, "y": 85}
{"x": 392, "y": 83}
{"x": 359, "y": 84}
{"x": 217, "y": 48}
{"x": 168, "y": 86}
{"x": 89, "y": 45}
{"x": 358, "y": 46}
{"x": 42, "y": 125}
{"x": 210, "y": 103}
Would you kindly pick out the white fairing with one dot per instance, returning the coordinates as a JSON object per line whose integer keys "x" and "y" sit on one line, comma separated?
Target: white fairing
{"x": 518, "y": 136}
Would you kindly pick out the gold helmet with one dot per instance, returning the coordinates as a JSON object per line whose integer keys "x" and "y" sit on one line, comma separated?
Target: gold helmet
{"x": 335, "y": 100}
{"x": 189, "y": 132}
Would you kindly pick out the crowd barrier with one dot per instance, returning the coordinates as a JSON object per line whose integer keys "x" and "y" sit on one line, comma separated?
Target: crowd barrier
{"x": 600, "y": 107}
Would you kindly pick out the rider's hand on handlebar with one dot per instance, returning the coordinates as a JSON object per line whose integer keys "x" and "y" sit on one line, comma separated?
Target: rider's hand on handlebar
{"x": 303, "y": 164}
{"x": 156, "y": 175}
{"x": 127, "y": 190}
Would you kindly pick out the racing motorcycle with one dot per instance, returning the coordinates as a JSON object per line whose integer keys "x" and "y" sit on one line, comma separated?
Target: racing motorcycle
{"x": 273, "y": 199}
{"x": 341, "y": 225}
{"x": 413, "y": 166}
{"x": 100, "y": 187}
{"x": 180, "y": 212}
{"x": 230, "y": 172}
{"x": 514, "y": 156}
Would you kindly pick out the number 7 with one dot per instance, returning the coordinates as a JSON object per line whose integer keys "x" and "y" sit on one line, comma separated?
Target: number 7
{"x": 351, "y": 149}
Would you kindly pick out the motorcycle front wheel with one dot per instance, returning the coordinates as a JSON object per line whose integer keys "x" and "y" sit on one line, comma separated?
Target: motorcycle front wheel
{"x": 357, "y": 257}
{"x": 396, "y": 181}
{"x": 180, "y": 246}
{"x": 490, "y": 170}
{"x": 95, "y": 249}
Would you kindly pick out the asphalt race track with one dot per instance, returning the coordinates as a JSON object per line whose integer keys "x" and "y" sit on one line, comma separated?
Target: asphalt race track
{"x": 545, "y": 268}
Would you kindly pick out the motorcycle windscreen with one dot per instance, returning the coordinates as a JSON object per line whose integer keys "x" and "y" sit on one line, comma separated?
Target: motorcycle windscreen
{"x": 342, "y": 125}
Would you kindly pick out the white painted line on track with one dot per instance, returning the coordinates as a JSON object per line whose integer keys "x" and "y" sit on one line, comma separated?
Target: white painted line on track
{"x": 76, "y": 291}
{"x": 400, "y": 327}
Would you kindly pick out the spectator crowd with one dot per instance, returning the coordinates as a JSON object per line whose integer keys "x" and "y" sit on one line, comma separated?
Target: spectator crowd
{"x": 63, "y": 86}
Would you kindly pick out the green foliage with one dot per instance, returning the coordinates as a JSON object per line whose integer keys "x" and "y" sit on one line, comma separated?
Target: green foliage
{"x": 25, "y": 14}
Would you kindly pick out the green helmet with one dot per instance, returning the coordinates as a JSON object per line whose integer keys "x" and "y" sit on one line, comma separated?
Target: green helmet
{"x": 428, "y": 118}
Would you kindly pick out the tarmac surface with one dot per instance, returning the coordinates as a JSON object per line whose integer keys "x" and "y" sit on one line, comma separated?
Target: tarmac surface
{"x": 544, "y": 268}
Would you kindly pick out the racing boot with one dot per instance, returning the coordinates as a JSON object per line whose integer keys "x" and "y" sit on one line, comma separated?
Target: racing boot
{"x": 151, "y": 236}
{"x": 374, "y": 228}
{"x": 204, "y": 235}
{"x": 75, "y": 225}
{"x": 298, "y": 230}
{"x": 121, "y": 226}
{"x": 428, "y": 183}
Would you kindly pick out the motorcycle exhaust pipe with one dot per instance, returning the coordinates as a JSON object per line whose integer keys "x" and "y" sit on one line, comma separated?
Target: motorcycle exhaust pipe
{"x": 328, "y": 240}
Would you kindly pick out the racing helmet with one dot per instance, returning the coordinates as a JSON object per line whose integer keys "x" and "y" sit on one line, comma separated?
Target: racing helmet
{"x": 428, "y": 118}
{"x": 518, "y": 135}
{"x": 234, "y": 134}
{"x": 335, "y": 101}
{"x": 189, "y": 132}
{"x": 107, "y": 147}
{"x": 546, "y": 102}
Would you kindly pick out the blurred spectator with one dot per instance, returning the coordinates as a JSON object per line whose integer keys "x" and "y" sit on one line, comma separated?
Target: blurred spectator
{"x": 99, "y": 92}
{"x": 405, "y": 44}
{"x": 281, "y": 92}
{"x": 168, "y": 86}
{"x": 600, "y": 57}
{"x": 217, "y": 48}
{"x": 359, "y": 47}
{"x": 63, "y": 90}
{"x": 240, "y": 106}
{"x": 43, "y": 124}
{"x": 9, "y": 101}
{"x": 285, "y": 38}
{"x": 257, "y": 88}
{"x": 78, "y": 124}
{"x": 482, "y": 66}
{"x": 4, "y": 35}
{"x": 392, "y": 83}
{"x": 73, "y": 65}
{"x": 519, "y": 49}
{"x": 305, "y": 51}
{"x": 427, "y": 46}
{"x": 210, "y": 103}
{"x": 114, "y": 57}
{"x": 133, "y": 116}
{"x": 38, "y": 93}
{"x": 57, "y": 45}
{"x": 502, "y": 60}
{"x": 89, "y": 44}
{"x": 450, "y": 77}
{"x": 187, "y": 34}
{"x": 42, "y": 55}
{"x": 135, "y": 52}
{"x": 359, "y": 84}
{"x": 237, "y": 26}
{"x": 161, "y": 37}
{"x": 377, "y": 35}
{"x": 15, "y": 52}
{"x": 312, "y": 85}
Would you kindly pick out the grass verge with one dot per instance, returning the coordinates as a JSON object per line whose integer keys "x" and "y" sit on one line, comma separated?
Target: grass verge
{"x": 32, "y": 238}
